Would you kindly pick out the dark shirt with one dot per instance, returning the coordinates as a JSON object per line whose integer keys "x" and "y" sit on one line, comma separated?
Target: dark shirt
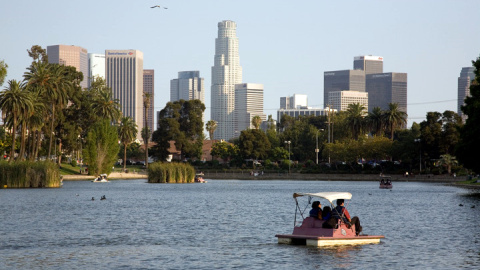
{"x": 316, "y": 213}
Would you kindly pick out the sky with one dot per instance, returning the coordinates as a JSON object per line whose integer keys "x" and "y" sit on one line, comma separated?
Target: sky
{"x": 284, "y": 45}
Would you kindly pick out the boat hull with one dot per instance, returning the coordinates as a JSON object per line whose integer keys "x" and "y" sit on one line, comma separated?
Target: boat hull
{"x": 312, "y": 233}
{"x": 316, "y": 241}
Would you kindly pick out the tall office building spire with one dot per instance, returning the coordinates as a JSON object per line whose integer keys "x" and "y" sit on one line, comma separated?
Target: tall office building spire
{"x": 226, "y": 72}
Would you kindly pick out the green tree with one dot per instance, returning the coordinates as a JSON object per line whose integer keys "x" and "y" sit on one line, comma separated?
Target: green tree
{"x": 468, "y": 146}
{"x": 180, "y": 121}
{"x": 127, "y": 132}
{"x": 394, "y": 118}
{"x": 223, "y": 149}
{"x": 355, "y": 119}
{"x": 147, "y": 97}
{"x": 101, "y": 148}
{"x": 38, "y": 54}
{"x": 3, "y": 71}
{"x": 447, "y": 161}
{"x": 103, "y": 104}
{"x": 256, "y": 121}
{"x": 375, "y": 121}
{"x": 210, "y": 127}
{"x": 254, "y": 144}
{"x": 16, "y": 102}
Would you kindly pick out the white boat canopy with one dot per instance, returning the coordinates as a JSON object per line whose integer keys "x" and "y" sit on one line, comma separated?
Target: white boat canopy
{"x": 330, "y": 196}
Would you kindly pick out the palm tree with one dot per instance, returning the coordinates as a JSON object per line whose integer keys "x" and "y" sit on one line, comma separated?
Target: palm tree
{"x": 105, "y": 107}
{"x": 127, "y": 132}
{"x": 256, "y": 121}
{"x": 51, "y": 82}
{"x": 394, "y": 118}
{"x": 355, "y": 119}
{"x": 210, "y": 127}
{"x": 146, "y": 105}
{"x": 375, "y": 121}
{"x": 15, "y": 100}
{"x": 447, "y": 161}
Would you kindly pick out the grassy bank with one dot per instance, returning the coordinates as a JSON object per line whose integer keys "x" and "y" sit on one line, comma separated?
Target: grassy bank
{"x": 170, "y": 173}
{"x": 28, "y": 174}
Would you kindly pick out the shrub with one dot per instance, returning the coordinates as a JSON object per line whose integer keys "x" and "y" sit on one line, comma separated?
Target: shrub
{"x": 27, "y": 174}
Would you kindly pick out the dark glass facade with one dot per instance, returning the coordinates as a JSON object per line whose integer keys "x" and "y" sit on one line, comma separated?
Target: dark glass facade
{"x": 387, "y": 88}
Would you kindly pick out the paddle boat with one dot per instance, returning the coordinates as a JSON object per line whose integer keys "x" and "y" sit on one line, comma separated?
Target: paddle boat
{"x": 309, "y": 231}
{"x": 386, "y": 182}
{"x": 102, "y": 178}
{"x": 199, "y": 178}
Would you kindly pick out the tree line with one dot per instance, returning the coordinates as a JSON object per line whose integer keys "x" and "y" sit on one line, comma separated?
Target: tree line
{"x": 48, "y": 108}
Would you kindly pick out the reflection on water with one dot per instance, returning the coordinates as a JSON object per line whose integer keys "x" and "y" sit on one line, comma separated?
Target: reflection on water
{"x": 230, "y": 224}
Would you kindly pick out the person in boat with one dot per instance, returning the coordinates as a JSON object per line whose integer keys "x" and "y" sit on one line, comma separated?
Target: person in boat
{"x": 329, "y": 220}
{"x": 340, "y": 212}
{"x": 316, "y": 211}
{"x": 382, "y": 182}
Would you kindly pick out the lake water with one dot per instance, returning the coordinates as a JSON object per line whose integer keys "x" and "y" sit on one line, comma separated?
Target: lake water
{"x": 231, "y": 225}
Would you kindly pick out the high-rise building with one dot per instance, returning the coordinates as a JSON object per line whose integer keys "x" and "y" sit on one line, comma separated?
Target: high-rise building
{"x": 368, "y": 63}
{"x": 248, "y": 104}
{"x": 188, "y": 86}
{"x": 149, "y": 88}
{"x": 466, "y": 76}
{"x": 69, "y": 55}
{"x": 302, "y": 111}
{"x": 387, "y": 88}
{"x": 226, "y": 73}
{"x": 339, "y": 100}
{"x": 342, "y": 80}
{"x": 96, "y": 66}
{"x": 293, "y": 102}
{"x": 124, "y": 74}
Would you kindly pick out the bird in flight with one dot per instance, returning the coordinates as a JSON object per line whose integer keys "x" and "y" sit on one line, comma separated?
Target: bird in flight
{"x": 157, "y": 6}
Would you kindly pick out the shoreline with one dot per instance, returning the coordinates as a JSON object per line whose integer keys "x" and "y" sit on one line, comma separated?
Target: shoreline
{"x": 449, "y": 180}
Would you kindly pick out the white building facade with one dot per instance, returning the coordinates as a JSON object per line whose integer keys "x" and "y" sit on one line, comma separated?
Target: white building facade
{"x": 124, "y": 75}
{"x": 96, "y": 66}
{"x": 248, "y": 104}
{"x": 293, "y": 102}
{"x": 339, "y": 100}
{"x": 226, "y": 73}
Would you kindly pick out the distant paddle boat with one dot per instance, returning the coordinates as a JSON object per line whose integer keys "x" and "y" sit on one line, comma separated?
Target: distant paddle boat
{"x": 386, "y": 182}
{"x": 102, "y": 178}
{"x": 309, "y": 230}
{"x": 199, "y": 178}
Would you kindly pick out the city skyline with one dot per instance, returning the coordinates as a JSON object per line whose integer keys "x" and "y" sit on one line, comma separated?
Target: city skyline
{"x": 286, "y": 49}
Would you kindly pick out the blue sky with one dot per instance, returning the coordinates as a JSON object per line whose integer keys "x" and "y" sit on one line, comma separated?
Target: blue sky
{"x": 285, "y": 45}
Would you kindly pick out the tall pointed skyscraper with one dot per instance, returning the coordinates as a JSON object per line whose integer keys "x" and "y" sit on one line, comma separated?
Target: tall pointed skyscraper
{"x": 226, "y": 72}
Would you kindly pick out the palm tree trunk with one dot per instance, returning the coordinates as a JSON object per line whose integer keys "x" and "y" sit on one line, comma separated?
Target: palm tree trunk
{"x": 38, "y": 144}
{"x": 22, "y": 142}
{"x": 124, "y": 157}
{"x": 14, "y": 130}
{"x": 51, "y": 132}
{"x": 60, "y": 151}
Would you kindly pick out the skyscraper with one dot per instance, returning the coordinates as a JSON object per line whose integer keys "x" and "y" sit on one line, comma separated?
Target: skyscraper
{"x": 188, "y": 86}
{"x": 293, "y": 102}
{"x": 149, "y": 88}
{"x": 248, "y": 104}
{"x": 368, "y": 63}
{"x": 67, "y": 55}
{"x": 342, "y": 80}
{"x": 226, "y": 73}
{"x": 339, "y": 100}
{"x": 387, "y": 88}
{"x": 124, "y": 74}
{"x": 96, "y": 66}
{"x": 466, "y": 76}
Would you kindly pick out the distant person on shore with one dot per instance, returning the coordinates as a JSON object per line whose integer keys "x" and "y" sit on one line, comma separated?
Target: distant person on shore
{"x": 340, "y": 212}
{"x": 316, "y": 211}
